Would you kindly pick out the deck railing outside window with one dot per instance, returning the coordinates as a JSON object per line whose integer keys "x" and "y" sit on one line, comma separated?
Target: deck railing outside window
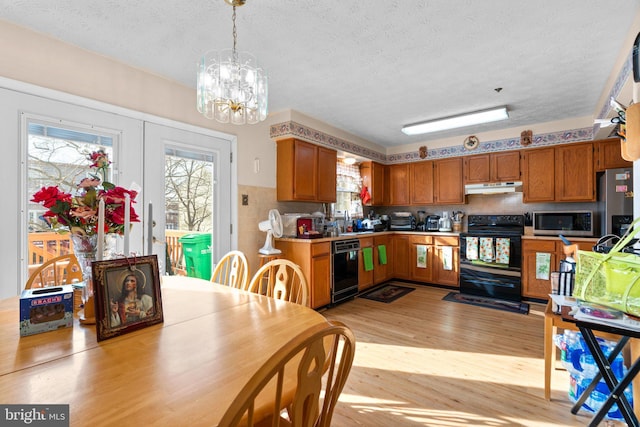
{"x": 44, "y": 246}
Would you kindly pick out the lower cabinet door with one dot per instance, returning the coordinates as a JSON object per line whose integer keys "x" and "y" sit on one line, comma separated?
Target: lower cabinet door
{"x": 447, "y": 265}
{"x": 421, "y": 262}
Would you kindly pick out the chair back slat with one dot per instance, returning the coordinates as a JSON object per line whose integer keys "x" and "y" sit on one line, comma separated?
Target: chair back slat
{"x": 232, "y": 270}
{"x": 281, "y": 279}
{"x": 61, "y": 270}
{"x": 320, "y": 359}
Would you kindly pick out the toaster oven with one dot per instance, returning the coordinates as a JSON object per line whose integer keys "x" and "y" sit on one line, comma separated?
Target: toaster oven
{"x": 399, "y": 223}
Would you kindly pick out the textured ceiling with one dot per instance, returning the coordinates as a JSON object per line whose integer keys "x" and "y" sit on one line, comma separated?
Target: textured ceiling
{"x": 370, "y": 67}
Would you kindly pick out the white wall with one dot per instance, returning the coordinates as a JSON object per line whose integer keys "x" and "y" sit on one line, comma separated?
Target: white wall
{"x": 49, "y": 63}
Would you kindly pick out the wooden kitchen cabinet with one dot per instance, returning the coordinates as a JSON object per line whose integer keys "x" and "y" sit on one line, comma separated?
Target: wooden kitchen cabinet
{"x": 327, "y": 173}
{"x": 448, "y": 179}
{"x": 492, "y": 167}
{"x": 401, "y": 254}
{"x": 538, "y": 181}
{"x": 421, "y": 183}
{"x": 374, "y": 175}
{"x": 305, "y": 172}
{"x": 420, "y": 273}
{"x": 564, "y": 173}
{"x": 382, "y": 272}
{"x": 608, "y": 155}
{"x": 426, "y": 183}
{"x": 441, "y": 275}
{"x": 365, "y": 278}
{"x": 533, "y": 287}
{"x": 574, "y": 173}
{"x": 405, "y": 259}
{"x": 320, "y": 274}
{"x": 314, "y": 260}
{"x": 399, "y": 185}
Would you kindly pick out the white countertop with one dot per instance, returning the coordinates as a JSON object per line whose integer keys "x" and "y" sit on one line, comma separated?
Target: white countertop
{"x": 368, "y": 234}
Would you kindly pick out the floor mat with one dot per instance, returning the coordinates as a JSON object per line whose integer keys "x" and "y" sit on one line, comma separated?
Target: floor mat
{"x": 512, "y": 306}
{"x": 387, "y": 293}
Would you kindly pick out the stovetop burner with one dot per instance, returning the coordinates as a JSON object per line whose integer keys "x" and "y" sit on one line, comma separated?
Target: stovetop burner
{"x": 495, "y": 224}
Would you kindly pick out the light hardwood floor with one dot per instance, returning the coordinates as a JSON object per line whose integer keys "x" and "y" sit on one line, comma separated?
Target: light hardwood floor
{"x": 421, "y": 361}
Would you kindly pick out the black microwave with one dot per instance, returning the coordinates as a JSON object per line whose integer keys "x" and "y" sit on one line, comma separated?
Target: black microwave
{"x": 567, "y": 223}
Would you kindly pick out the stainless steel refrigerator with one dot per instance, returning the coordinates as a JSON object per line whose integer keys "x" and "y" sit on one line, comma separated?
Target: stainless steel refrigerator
{"x": 616, "y": 200}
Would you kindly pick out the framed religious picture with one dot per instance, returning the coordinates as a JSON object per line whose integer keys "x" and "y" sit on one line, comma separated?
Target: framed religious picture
{"x": 127, "y": 295}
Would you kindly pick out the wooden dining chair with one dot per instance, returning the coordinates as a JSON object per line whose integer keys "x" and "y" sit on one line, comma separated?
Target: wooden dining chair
{"x": 316, "y": 391}
{"x": 60, "y": 270}
{"x": 281, "y": 279}
{"x": 232, "y": 270}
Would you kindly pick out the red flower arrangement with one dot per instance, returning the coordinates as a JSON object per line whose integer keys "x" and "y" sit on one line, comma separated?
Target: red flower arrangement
{"x": 78, "y": 213}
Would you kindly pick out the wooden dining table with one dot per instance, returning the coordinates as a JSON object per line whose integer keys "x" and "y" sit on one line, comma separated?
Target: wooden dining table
{"x": 184, "y": 371}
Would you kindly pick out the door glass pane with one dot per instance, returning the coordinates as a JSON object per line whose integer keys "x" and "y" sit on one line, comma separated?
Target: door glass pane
{"x": 189, "y": 196}
{"x": 57, "y": 155}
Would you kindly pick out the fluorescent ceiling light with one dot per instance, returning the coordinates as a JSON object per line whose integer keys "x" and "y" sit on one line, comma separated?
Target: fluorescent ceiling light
{"x": 477, "y": 117}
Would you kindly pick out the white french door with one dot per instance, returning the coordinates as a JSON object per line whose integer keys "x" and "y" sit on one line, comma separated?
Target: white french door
{"x": 24, "y": 116}
{"x": 173, "y": 160}
{"x": 138, "y": 151}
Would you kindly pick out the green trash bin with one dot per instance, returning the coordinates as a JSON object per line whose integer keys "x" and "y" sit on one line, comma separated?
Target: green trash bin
{"x": 197, "y": 254}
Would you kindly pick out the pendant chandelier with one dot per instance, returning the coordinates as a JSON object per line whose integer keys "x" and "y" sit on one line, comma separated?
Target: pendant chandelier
{"x": 231, "y": 86}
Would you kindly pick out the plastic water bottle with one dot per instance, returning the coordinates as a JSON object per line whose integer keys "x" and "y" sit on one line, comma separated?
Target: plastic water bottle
{"x": 588, "y": 365}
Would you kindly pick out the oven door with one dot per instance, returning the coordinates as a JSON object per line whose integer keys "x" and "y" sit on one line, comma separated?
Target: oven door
{"x": 498, "y": 251}
{"x": 490, "y": 265}
{"x": 490, "y": 282}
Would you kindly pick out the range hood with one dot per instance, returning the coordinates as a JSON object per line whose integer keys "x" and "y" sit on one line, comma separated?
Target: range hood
{"x": 495, "y": 188}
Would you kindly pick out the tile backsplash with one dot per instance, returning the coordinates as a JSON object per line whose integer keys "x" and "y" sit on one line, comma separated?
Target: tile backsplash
{"x": 487, "y": 204}
{"x": 261, "y": 199}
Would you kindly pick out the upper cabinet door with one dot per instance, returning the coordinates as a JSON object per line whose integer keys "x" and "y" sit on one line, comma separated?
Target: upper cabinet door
{"x": 448, "y": 180}
{"x": 538, "y": 181}
{"x": 505, "y": 166}
{"x": 326, "y": 184}
{"x": 494, "y": 167}
{"x": 374, "y": 177}
{"x": 305, "y": 172}
{"x": 477, "y": 169}
{"x": 609, "y": 155}
{"x": 399, "y": 185}
{"x": 575, "y": 175}
{"x": 421, "y": 182}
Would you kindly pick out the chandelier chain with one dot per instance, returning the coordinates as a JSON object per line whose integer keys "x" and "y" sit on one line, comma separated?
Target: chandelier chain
{"x": 235, "y": 33}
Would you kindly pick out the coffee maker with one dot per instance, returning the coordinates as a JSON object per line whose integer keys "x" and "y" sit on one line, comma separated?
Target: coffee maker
{"x": 432, "y": 223}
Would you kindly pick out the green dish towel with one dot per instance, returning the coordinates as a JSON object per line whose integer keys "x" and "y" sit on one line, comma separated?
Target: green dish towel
{"x": 382, "y": 254}
{"x": 367, "y": 255}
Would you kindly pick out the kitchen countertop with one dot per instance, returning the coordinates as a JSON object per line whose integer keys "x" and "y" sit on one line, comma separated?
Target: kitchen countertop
{"x": 356, "y": 235}
{"x": 571, "y": 239}
{"x": 368, "y": 234}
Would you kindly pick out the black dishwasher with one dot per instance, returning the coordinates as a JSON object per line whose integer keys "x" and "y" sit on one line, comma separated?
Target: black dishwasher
{"x": 344, "y": 273}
